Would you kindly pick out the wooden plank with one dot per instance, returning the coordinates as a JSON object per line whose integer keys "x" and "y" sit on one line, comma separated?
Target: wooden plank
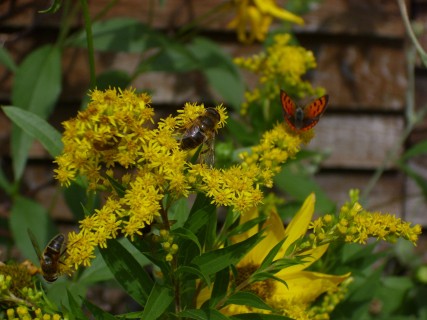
{"x": 416, "y": 202}
{"x": 362, "y": 17}
{"x": 386, "y": 197}
{"x": 357, "y": 141}
{"x": 357, "y": 17}
{"x": 360, "y": 77}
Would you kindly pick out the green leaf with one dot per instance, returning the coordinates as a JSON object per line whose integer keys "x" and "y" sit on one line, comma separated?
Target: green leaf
{"x": 214, "y": 261}
{"x": 248, "y": 299}
{"x": 56, "y": 5}
{"x": 270, "y": 256}
{"x": 187, "y": 234}
{"x": 205, "y": 314}
{"x": 37, "y": 128}
{"x": 414, "y": 175}
{"x": 27, "y": 214}
{"x": 416, "y": 150}
{"x": 179, "y": 212}
{"x": 400, "y": 287}
{"x": 36, "y": 88}
{"x": 75, "y": 196}
{"x": 6, "y": 60}
{"x": 202, "y": 215}
{"x": 97, "y": 312}
{"x": 76, "y": 311}
{"x": 97, "y": 272}
{"x": 221, "y": 284}
{"x": 174, "y": 57}
{"x": 5, "y": 184}
{"x": 159, "y": 300}
{"x": 201, "y": 212}
{"x": 153, "y": 252}
{"x": 66, "y": 295}
{"x": 190, "y": 270}
{"x": 244, "y": 227}
{"x": 219, "y": 69}
{"x": 118, "y": 187}
{"x": 127, "y": 271}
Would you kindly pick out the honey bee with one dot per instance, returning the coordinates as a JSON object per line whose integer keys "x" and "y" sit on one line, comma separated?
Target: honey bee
{"x": 202, "y": 131}
{"x": 50, "y": 257}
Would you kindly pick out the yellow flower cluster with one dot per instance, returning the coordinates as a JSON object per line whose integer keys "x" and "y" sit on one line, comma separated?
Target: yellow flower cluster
{"x": 239, "y": 185}
{"x": 22, "y": 300}
{"x": 275, "y": 148}
{"x": 117, "y": 146}
{"x": 254, "y": 17}
{"x": 282, "y": 66}
{"x": 356, "y": 225}
{"x": 23, "y": 313}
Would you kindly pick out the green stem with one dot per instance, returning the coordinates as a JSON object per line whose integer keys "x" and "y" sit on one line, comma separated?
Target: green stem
{"x": 89, "y": 39}
{"x": 410, "y": 32}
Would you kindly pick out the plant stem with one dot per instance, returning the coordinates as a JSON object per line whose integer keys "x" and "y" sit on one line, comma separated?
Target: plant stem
{"x": 89, "y": 39}
{"x": 410, "y": 32}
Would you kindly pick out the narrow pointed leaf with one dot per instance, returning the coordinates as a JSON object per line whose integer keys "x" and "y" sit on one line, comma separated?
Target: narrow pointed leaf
{"x": 187, "y": 234}
{"x": 36, "y": 128}
{"x": 214, "y": 261}
{"x": 270, "y": 256}
{"x": 75, "y": 309}
{"x": 97, "y": 312}
{"x": 248, "y": 299}
{"x": 221, "y": 284}
{"x": 158, "y": 302}
{"x": 127, "y": 271}
{"x": 37, "y": 88}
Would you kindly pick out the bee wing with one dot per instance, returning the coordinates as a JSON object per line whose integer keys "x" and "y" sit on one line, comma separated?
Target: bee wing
{"x": 207, "y": 154}
{"x": 35, "y": 243}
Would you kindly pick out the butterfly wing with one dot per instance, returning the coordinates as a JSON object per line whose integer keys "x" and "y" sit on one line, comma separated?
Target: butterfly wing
{"x": 288, "y": 108}
{"x": 314, "y": 111}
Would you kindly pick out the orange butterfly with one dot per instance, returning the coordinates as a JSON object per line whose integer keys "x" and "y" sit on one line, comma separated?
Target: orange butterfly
{"x": 300, "y": 119}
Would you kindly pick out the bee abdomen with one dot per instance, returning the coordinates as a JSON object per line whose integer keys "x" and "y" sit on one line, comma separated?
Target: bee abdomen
{"x": 192, "y": 141}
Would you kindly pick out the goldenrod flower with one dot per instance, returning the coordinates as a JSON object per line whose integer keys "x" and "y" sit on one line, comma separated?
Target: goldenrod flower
{"x": 302, "y": 287}
{"x": 117, "y": 130}
{"x": 281, "y": 66}
{"x": 274, "y": 149}
{"x": 254, "y": 17}
{"x": 356, "y": 225}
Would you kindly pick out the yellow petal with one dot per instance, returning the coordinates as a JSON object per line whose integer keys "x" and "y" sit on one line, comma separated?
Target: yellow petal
{"x": 299, "y": 224}
{"x": 312, "y": 256}
{"x": 304, "y": 287}
{"x": 270, "y": 7}
{"x": 274, "y": 233}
